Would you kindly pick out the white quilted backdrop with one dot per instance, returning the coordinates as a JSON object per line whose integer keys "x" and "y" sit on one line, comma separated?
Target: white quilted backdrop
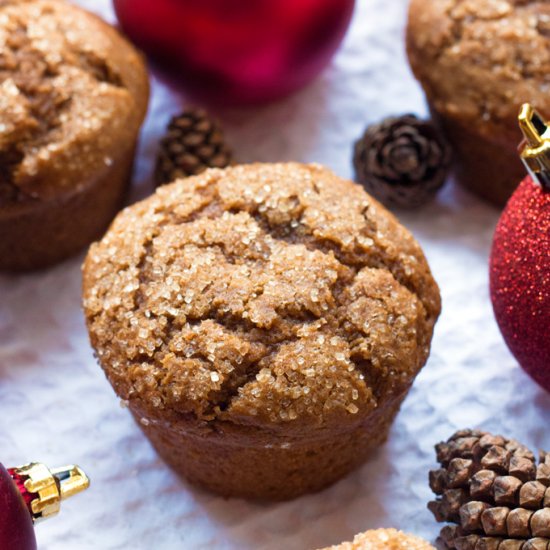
{"x": 56, "y": 406}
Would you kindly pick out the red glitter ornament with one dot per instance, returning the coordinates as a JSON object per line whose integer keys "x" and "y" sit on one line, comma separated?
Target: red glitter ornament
{"x": 237, "y": 51}
{"x": 520, "y": 258}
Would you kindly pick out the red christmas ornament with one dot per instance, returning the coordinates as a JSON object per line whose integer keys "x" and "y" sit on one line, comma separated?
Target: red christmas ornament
{"x": 237, "y": 51}
{"x": 520, "y": 257}
{"x": 31, "y": 493}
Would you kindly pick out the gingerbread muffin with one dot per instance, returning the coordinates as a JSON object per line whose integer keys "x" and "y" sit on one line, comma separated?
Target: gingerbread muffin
{"x": 478, "y": 61}
{"x": 383, "y": 539}
{"x": 73, "y": 94}
{"x": 263, "y": 322}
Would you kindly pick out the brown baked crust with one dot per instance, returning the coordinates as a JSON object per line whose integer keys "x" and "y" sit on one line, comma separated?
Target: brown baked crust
{"x": 262, "y": 295}
{"x": 383, "y": 539}
{"x": 41, "y": 233}
{"x": 73, "y": 94}
{"x": 264, "y": 323}
{"x": 479, "y": 60}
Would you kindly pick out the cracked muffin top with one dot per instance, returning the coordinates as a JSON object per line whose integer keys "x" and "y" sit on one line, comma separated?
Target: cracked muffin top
{"x": 73, "y": 94}
{"x": 479, "y": 60}
{"x": 261, "y": 294}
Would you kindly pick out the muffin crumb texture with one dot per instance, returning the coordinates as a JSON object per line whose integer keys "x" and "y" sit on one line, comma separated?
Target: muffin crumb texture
{"x": 480, "y": 59}
{"x": 384, "y": 539}
{"x": 68, "y": 89}
{"x": 276, "y": 294}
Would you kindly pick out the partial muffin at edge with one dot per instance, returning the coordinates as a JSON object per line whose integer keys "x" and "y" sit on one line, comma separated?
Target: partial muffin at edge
{"x": 383, "y": 539}
{"x": 73, "y": 96}
{"x": 478, "y": 61}
{"x": 272, "y": 314}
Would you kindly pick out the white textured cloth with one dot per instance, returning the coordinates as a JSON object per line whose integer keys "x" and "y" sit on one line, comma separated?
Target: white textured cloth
{"x": 56, "y": 406}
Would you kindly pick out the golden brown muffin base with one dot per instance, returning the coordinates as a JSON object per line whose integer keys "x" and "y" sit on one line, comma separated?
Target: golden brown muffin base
{"x": 212, "y": 458}
{"x": 489, "y": 169}
{"x": 383, "y": 539}
{"x": 39, "y": 234}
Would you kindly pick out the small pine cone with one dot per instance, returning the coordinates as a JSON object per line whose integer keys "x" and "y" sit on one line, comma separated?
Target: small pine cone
{"x": 402, "y": 161}
{"x": 492, "y": 492}
{"x": 193, "y": 143}
{"x": 448, "y": 536}
{"x": 543, "y": 469}
{"x": 480, "y": 542}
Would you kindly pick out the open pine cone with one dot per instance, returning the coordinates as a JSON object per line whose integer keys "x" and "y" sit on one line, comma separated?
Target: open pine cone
{"x": 402, "y": 161}
{"x": 193, "y": 143}
{"x": 493, "y": 492}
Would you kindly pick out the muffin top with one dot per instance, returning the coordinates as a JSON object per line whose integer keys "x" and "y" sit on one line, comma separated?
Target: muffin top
{"x": 384, "y": 539}
{"x": 73, "y": 94}
{"x": 479, "y": 60}
{"x": 265, "y": 294}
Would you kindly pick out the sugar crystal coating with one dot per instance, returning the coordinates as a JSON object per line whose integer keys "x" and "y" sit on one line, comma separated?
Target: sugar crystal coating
{"x": 384, "y": 539}
{"x": 478, "y": 60}
{"x": 73, "y": 94}
{"x": 260, "y": 294}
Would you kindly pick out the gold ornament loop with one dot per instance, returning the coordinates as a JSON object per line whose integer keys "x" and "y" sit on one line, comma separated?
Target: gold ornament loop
{"x": 535, "y": 148}
{"x": 51, "y": 486}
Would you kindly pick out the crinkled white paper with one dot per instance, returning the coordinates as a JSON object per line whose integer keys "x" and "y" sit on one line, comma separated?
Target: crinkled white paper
{"x": 56, "y": 405}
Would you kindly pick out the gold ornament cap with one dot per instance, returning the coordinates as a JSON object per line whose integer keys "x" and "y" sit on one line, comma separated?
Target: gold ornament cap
{"x": 46, "y": 487}
{"x": 535, "y": 148}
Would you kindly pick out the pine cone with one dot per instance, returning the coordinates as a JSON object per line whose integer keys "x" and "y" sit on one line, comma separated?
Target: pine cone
{"x": 402, "y": 161}
{"x": 494, "y": 492}
{"x": 193, "y": 143}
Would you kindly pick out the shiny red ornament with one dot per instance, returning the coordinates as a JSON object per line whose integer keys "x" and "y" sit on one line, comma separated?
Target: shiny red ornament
{"x": 237, "y": 51}
{"x": 31, "y": 493}
{"x": 16, "y": 526}
{"x": 520, "y": 278}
